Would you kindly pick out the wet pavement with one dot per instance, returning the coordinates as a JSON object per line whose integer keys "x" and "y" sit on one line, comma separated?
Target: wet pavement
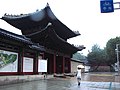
{"x": 99, "y": 77}
{"x": 90, "y": 81}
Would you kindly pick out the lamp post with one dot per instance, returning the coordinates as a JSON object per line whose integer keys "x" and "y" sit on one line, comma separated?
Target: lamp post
{"x": 117, "y": 51}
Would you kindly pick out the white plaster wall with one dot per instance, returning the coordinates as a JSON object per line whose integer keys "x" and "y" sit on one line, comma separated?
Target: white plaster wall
{"x": 74, "y": 66}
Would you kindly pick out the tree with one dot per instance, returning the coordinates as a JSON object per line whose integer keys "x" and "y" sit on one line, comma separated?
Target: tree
{"x": 110, "y": 50}
{"x": 78, "y": 56}
{"x": 96, "y": 57}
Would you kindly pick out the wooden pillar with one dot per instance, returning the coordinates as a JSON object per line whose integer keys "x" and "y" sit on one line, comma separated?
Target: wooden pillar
{"x": 69, "y": 65}
{"x": 63, "y": 65}
{"x": 50, "y": 63}
{"x": 35, "y": 66}
{"x": 20, "y": 61}
{"x": 54, "y": 63}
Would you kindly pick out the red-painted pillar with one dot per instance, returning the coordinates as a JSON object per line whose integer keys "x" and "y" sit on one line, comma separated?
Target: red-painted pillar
{"x": 35, "y": 66}
{"x": 54, "y": 64}
{"x": 63, "y": 68}
{"x": 20, "y": 61}
{"x": 69, "y": 65}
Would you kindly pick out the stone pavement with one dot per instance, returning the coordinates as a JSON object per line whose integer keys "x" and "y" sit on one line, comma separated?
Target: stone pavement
{"x": 60, "y": 84}
{"x": 90, "y": 81}
{"x": 96, "y": 86}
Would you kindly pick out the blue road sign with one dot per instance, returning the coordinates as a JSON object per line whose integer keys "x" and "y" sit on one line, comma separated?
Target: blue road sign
{"x": 106, "y": 6}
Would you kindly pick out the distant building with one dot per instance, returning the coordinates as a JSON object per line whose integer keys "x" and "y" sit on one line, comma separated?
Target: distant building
{"x": 74, "y": 64}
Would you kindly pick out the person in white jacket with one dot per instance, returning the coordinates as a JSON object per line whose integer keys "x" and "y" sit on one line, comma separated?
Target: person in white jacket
{"x": 78, "y": 75}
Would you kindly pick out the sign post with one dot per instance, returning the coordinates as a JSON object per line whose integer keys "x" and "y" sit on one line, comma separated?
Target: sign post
{"x": 118, "y": 63}
{"x": 106, "y": 6}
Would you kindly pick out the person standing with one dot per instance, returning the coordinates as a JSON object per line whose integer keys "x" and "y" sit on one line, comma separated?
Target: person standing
{"x": 78, "y": 75}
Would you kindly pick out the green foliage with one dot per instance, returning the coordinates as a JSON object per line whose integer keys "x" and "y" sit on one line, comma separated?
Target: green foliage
{"x": 78, "y": 56}
{"x": 110, "y": 50}
{"x": 96, "y": 48}
{"x": 97, "y": 55}
{"x": 106, "y": 55}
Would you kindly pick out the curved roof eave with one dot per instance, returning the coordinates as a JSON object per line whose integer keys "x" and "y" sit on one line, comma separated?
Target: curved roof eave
{"x": 14, "y": 36}
{"x": 54, "y": 40}
{"x": 21, "y": 39}
{"x": 39, "y": 18}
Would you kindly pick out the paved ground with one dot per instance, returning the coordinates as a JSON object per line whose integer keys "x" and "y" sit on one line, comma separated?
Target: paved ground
{"x": 90, "y": 81}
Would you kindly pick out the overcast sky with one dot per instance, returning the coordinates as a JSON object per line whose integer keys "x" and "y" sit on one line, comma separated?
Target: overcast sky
{"x": 79, "y": 15}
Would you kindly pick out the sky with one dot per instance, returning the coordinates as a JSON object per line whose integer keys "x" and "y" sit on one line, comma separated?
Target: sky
{"x": 78, "y": 15}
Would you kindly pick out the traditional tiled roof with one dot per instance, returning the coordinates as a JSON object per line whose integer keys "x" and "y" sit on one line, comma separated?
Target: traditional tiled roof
{"x": 32, "y": 22}
{"x": 48, "y": 38}
{"x": 37, "y": 47}
{"x": 14, "y": 36}
{"x": 36, "y": 27}
{"x": 20, "y": 38}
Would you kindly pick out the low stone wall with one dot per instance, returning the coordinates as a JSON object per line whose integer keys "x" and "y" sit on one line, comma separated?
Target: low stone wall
{"x": 101, "y": 68}
{"x": 4, "y": 80}
{"x": 104, "y": 68}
